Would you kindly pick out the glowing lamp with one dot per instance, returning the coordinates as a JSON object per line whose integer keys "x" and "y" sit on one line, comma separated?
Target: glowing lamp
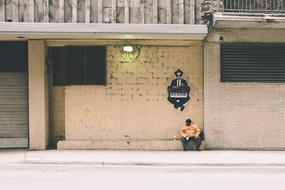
{"x": 128, "y": 48}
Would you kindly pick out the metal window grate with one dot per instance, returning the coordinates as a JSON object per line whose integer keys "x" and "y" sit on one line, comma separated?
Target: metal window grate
{"x": 252, "y": 6}
{"x": 252, "y": 62}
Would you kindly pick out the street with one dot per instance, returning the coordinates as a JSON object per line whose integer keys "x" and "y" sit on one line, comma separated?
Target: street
{"x": 75, "y": 177}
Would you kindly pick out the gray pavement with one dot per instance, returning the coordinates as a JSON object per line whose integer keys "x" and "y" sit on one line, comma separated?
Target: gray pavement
{"x": 160, "y": 158}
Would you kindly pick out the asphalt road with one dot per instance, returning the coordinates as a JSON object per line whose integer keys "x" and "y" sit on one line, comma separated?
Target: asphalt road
{"x": 85, "y": 177}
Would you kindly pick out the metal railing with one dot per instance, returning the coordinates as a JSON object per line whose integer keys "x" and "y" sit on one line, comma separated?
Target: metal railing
{"x": 252, "y": 6}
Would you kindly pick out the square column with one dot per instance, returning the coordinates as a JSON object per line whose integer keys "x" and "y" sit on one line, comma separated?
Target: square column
{"x": 38, "y": 96}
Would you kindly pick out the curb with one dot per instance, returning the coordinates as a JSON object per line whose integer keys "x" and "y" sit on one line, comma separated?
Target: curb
{"x": 103, "y": 163}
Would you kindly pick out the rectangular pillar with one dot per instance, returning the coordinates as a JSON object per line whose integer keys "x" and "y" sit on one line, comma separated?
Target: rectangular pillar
{"x": 38, "y": 96}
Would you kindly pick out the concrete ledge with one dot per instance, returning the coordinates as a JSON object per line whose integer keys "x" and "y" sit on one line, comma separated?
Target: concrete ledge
{"x": 120, "y": 145}
{"x": 223, "y": 20}
{"x": 90, "y": 31}
{"x": 33, "y": 27}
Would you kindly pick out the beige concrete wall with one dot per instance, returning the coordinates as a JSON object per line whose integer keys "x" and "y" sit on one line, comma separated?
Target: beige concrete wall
{"x": 242, "y": 115}
{"x": 57, "y": 114}
{"x": 133, "y": 105}
{"x": 38, "y": 96}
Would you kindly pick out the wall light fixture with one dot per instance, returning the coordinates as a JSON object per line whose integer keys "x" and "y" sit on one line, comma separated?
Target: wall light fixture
{"x": 131, "y": 52}
{"x": 128, "y": 48}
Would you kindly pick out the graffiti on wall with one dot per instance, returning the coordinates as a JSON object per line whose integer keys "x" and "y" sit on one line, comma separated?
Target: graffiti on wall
{"x": 178, "y": 91}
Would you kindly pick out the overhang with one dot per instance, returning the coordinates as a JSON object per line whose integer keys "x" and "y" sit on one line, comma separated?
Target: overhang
{"x": 248, "y": 20}
{"x": 81, "y": 31}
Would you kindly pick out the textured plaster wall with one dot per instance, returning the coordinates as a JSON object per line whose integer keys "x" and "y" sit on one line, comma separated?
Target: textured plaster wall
{"x": 242, "y": 115}
{"x": 133, "y": 104}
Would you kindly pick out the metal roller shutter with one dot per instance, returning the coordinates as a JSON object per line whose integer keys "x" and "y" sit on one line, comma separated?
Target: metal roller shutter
{"x": 13, "y": 110}
{"x": 252, "y": 62}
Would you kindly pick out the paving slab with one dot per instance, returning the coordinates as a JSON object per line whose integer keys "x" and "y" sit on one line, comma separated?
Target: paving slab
{"x": 12, "y": 155}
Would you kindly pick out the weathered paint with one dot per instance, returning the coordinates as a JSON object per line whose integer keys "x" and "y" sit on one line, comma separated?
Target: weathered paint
{"x": 68, "y": 11}
{"x": 31, "y": 11}
{"x": 61, "y": 10}
{"x": 93, "y": 11}
{"x": 15, "y": 9}
{"x": 135, "y": 11}
{"x": 39, "y": 11}
{"x": 8, "y": 10}
{"x": 54, "y": 11}
{"x": 81, "y": 11}
{"x": 23, "y": 11}
{"x": 2, "y": 10}
{"x": 99, "y": 11}
{"x": 162, "y": 12}
{"x": 87, "y": 11}
{"x": 74, "y": 4}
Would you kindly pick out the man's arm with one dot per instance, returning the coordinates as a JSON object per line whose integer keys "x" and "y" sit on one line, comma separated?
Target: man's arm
{"x": 198, "y": 131}
{"x": 183, "y": 134}
{"x": 173, "y": 83}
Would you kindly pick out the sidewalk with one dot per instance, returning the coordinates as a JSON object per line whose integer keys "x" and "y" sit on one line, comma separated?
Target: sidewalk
{"x": 109, "y": 157}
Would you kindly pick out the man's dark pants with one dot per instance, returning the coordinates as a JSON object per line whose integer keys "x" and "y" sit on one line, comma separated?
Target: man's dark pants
{"x": 185, "y": 142}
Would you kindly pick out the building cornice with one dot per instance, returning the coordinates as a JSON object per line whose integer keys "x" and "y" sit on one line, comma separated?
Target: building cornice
{"x": 108, "y": 31}
{"x": 235, "y": 20}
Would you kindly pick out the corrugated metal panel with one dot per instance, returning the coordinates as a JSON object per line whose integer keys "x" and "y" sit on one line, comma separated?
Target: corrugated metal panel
{"x": 13, "y": 142}
{"x": 13, "y": 110}
{"x": 252, "y": 62}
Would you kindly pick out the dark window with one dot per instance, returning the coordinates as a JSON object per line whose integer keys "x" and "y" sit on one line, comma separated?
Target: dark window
{"x": 96, "y": 61}
{"x": 13, "y": 56}
{"x": 252, "y": 62}
{"x": 75, "y": 65}
{"x": 59, "y": 71}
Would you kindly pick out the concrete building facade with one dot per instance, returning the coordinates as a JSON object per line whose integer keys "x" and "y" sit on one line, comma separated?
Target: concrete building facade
{"x": 130, "y": 110}
{"x": 242, "y": 115}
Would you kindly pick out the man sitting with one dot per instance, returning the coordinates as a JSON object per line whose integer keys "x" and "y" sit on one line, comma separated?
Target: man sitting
{"x": 191, "y": 132}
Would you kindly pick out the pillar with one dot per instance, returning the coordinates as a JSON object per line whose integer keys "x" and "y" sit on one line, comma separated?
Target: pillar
{"x": 38, "y": 96}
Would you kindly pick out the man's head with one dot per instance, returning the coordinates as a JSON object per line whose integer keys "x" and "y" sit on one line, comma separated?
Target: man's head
{"x": 188, "y": 122}
{"x": 178, "y": 74}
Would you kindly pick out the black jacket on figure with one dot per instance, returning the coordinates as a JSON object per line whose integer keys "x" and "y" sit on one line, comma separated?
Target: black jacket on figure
{"x": 183, "y": 83}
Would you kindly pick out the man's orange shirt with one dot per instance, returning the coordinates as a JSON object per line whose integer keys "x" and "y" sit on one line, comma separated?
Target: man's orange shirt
{"x": 191, "y": 131}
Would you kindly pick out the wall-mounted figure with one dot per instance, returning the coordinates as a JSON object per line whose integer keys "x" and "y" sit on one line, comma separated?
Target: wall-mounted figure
{"x": 178, "y": 91}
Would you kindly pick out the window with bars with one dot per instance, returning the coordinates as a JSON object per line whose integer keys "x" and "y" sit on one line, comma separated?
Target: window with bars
{"x": 252, "y": 62}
